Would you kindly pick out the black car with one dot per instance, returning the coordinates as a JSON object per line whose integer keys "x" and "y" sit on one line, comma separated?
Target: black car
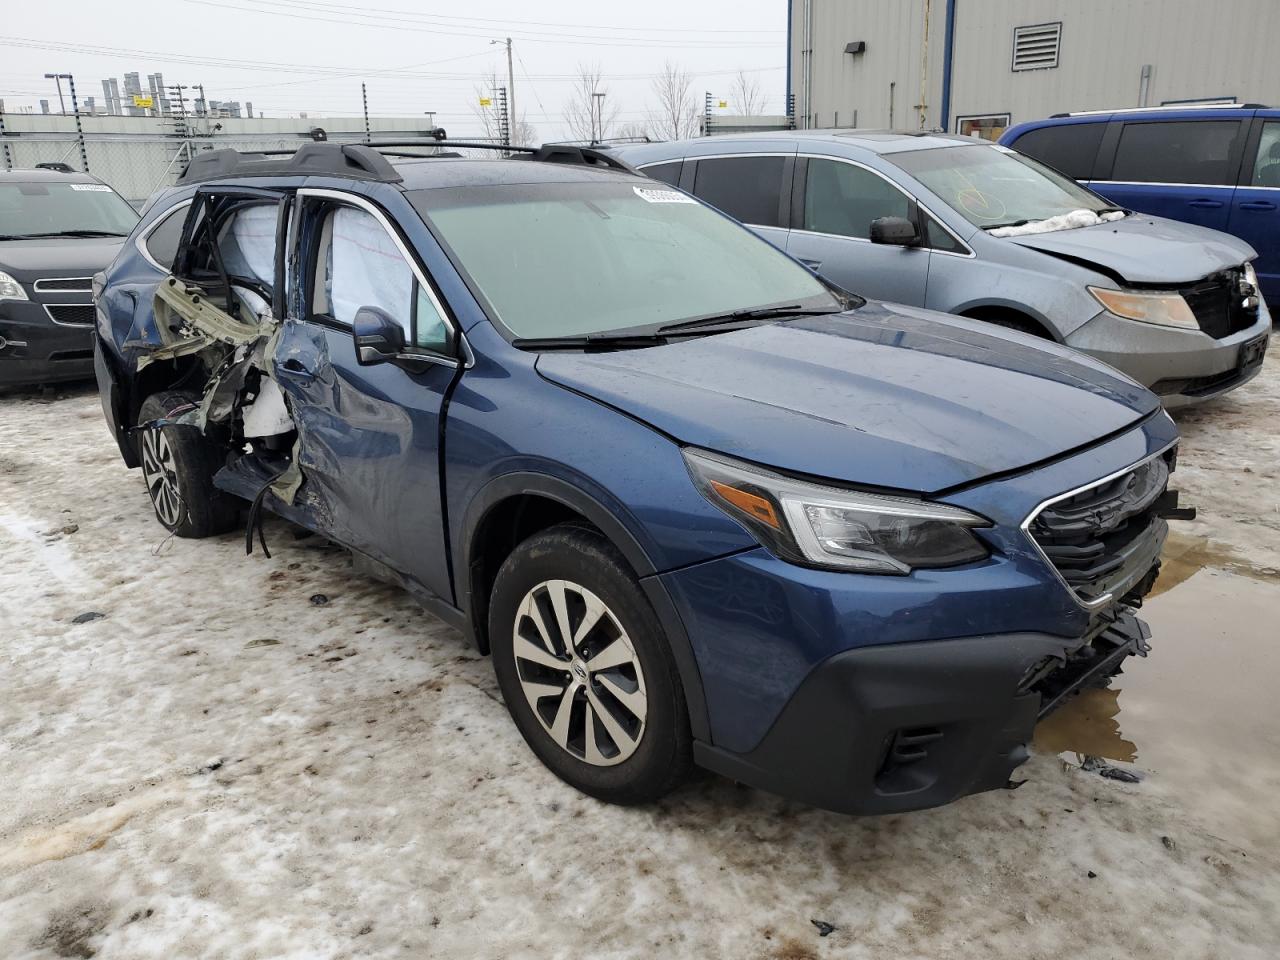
{"x": 57, "y": 229}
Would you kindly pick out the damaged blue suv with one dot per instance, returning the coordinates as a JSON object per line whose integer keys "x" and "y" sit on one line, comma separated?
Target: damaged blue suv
{"x": 700, "y": 506}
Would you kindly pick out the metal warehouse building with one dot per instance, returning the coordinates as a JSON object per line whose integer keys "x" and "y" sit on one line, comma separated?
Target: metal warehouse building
{"x": 977, "y": 66}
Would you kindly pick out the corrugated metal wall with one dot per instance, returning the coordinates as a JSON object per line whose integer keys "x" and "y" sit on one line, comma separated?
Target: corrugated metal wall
{"x": 1195, "y": 49}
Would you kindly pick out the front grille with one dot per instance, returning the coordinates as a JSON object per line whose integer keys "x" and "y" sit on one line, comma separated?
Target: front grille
{"x": 1104, "y": 539}
{"x": 63, "y": 284}
{"x": 77, "y": 314}
{"x": 1218, "y": 303}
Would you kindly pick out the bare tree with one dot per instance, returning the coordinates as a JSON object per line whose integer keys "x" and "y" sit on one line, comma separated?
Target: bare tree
{"x": 523, "y": 133}
{"x": 745, "y": 97}
{"x": 586, "y": 114}
{"x": 633, "y": 131}
{"x": 676, "y": 116}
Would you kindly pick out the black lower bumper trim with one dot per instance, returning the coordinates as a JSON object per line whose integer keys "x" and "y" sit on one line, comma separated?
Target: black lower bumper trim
{"x": 900, "y": 727}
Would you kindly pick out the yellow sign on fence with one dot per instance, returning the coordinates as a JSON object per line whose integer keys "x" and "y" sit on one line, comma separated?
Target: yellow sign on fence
{"x": 485, "y": 101}
{"x": 142, "y": 102}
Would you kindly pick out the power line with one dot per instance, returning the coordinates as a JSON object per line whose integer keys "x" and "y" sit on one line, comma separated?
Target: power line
{"x": 402, "y": 23}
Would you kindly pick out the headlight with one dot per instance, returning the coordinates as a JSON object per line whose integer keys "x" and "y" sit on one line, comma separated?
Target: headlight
{"x": 11, "y": 289}
{"x": 1251, "y": 276}
{"x": 828, "y": 527}
{"x": 1164, "y": 309}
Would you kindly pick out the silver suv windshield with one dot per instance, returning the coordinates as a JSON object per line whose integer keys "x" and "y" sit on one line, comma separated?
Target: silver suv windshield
{"x": 577, "y": 259}
{"x": 993, "y": 187}
{"x": 56, "y": 209}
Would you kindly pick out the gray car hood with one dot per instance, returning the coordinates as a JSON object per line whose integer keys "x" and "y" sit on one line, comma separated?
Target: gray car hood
{"x": 28, "y": 260}
{"x": 1143, "y": 249}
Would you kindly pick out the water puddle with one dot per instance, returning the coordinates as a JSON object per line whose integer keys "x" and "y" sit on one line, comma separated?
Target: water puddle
{"x": 1197, "y": 716}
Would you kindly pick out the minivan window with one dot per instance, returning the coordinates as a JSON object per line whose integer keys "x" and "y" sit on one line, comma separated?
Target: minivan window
{"x": 748, "y": 189}
{"x": 1177, "y": 151}
{"x": 582, "y": 258}
{"x": 667, "y": 172}
{"x": 1266, "y": 169}
{"x": 1067, "y": 147}
{"x": 843, "y": 199}
{"x": 50, "y": 208}
{"x": 995, "y": 187}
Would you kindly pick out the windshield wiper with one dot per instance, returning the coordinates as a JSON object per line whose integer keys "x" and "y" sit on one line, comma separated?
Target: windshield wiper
{"x": 743, "y": 316}
{"x": 63, "y": 233}
{"x": 1011, "y": 223}
{"x": 590, "y": 341}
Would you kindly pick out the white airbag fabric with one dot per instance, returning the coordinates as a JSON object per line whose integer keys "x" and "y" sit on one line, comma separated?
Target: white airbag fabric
{"x": 250, "y": 251}
{"x": 1063, "y": 221}
{"x": 367, "y": 269}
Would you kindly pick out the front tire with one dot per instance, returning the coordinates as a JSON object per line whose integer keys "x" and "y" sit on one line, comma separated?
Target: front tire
{"x": 585, "y": 669}
{"x": 178, "y": 464}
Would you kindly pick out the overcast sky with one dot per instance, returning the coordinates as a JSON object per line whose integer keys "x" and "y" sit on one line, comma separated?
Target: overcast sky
{"x": 288, "y": 56}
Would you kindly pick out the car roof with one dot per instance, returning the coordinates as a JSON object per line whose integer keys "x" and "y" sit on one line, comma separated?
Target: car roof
{"x": 45, "y": 176}
{"x": 428, "y": 173}
{"x": 873, "y": 141}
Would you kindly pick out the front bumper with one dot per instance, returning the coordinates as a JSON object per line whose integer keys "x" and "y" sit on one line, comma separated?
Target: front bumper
{"x": 898, "y": 727}
{"x": 34, "y": 349}
{"x": 1183, "y": 367}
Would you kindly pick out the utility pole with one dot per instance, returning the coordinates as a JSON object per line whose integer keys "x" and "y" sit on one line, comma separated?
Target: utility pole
{"x": 511, "y": 86}
{"x": 364, "y": 97}
{"x": 597, "y": 118}
{"x": 57, "y": 78}
{"x": 75, "y": 108}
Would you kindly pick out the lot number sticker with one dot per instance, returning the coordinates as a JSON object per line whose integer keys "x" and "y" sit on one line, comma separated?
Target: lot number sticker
{"x": 652, "y": 195}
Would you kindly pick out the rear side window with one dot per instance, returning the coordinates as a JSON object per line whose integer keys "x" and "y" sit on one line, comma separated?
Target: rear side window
{"x": 666, "y": 172}
{"x": 843, "y": 199}
{"x": 1069, "y": 148}
{"x": 1266, "y": 169}
{"x": 1177, "y": 151}
{"x": 746, "y": 188}
{"x": 162, "y": 241}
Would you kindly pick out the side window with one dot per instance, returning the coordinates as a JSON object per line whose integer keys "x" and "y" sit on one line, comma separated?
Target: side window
{"x": 1067, "y": 147}
{"x": 748, "y": 189}
{"x": 1177, "y": 151}
{"x": 1266, "y": 169}
{"x": 938, "y": 238}
{"x": 666, "y": 172}
{"x": 359, "y": 264}
{"x": 843, "y": 199}
{"x": 163, "y": 238}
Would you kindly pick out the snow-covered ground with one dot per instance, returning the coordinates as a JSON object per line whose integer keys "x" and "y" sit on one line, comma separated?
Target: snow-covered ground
{"x": 249, "y": 757}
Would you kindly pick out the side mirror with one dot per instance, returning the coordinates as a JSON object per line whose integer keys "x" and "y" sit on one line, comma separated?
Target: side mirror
{"x": 896, "y": 231}
{"x": 378, "y": 338}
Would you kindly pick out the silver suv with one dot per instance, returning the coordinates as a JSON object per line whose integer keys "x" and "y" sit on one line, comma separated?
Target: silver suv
{"x": 973, "y": 228}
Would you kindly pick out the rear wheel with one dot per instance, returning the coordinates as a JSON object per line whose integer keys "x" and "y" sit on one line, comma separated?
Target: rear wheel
{"x": 585, "y": 669}
{"x": 178, "y": 464}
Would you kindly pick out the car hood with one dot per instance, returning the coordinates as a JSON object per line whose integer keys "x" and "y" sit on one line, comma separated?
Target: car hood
{"x": 1143, "y": 249}
{"x": 886, "y": 396}
{"x": 29, "y": 260}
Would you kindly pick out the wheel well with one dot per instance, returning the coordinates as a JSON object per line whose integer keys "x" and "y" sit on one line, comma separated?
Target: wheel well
{"x": 162, "y": 375}
{"x": 507, "y": 525}
{"x": 1011, "y": 319}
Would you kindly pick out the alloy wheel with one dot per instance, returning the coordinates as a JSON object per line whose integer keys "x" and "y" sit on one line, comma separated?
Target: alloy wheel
{"x": 161, "y": 477}
{"x": 579, "y": 672}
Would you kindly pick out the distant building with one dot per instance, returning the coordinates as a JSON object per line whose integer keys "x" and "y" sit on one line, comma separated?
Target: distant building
{"x": 111, "y": 94}
{"x": 976, "y": 68}
{"x": 44, "y": 106}
{"x": 89, "y": 106}
{"x": 132, "y": 88}
{"x": 248, "y": 109}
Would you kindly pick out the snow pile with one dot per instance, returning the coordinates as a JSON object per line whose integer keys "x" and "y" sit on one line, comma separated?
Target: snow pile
{"x": 1064, "y": 221}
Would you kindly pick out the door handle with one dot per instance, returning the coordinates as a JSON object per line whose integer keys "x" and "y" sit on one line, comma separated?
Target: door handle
{"x": 811, "y": 264}
{"x": 1205, "y": 204}
{"x": 295, "y": 367}
{"x": 1257, "y": 205}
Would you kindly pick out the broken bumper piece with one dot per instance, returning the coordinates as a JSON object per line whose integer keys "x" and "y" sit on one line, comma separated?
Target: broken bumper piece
{"x": 898, "y": 727}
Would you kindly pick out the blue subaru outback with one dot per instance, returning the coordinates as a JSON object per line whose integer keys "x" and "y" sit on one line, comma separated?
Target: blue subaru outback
{"x": 700, "y": 506}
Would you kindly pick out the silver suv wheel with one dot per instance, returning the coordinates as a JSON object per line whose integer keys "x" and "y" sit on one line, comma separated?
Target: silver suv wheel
{"x": 579, "y": 672}
{"x": 161, "y": 478}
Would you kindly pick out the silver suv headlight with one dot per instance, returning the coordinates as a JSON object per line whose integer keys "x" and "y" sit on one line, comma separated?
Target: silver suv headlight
{"x": 11, "y": 289}
{"x": 822, "y": 526}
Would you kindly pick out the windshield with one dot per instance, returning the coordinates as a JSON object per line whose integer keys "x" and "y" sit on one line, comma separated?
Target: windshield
{"x": 995, "y": 187}
{"x": 575, "y": 259}
{"x": 44, "y": 208}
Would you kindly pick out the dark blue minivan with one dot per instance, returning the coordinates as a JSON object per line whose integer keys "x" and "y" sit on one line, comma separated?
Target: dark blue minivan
{"x": 1216, "y": 165}
{"x": 699, "y": 504}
